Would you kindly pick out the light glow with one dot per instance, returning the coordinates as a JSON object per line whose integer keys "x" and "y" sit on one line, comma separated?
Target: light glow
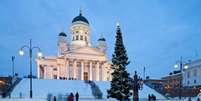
{"x": 21, "y": 52}
{"x": 40, "y": 54}
{"x": 186, "y": 67}
{"x": 176, "y": 66}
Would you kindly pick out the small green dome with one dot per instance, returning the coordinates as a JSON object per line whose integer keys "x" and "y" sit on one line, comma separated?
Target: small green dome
{"x": 101, "y": 39}
{"x": 62, "y": 34}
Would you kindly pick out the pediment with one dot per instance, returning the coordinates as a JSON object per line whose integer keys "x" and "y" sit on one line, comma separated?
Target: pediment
{"x": 86, "y": 50}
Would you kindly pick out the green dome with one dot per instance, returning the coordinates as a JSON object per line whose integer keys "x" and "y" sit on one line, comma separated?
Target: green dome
{"x": 62, "y": 34}
{"x": 101, "y": 39}
{"x": 80, "y": 18}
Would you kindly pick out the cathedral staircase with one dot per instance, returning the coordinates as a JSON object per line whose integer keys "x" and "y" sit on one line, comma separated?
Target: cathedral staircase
{"x": 88, "y": 90}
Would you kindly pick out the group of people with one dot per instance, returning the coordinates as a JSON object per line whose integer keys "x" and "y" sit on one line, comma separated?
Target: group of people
{"x": 151, "y": 97}
{"x": 70, "y": 97}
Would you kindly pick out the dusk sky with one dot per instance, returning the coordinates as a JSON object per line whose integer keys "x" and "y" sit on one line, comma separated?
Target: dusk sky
{"x": 155, "y": 32}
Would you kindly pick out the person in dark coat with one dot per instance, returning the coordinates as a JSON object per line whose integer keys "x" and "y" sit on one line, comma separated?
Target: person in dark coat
{"x": 71, "y": 97}
{"x": 77, "y": 96}
{"x": 149, "y": 97}
{"x": 153, "y": 97}
{"x": 54, "y": 99}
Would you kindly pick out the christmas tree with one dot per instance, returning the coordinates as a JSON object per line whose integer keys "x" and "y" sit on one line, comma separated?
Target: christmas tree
{"x": 120, "y": 88}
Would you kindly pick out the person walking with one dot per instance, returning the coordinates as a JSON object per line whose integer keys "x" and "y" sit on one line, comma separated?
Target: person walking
{"x": 77, "y": 96}
{"x": 149, "y": 97}
{"x": 154, "y": 98}
{"x": 71, "y": 97}
{"x": 54, "y": 99}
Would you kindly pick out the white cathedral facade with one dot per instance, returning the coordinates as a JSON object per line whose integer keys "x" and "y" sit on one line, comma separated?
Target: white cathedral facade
{"x": 77, "y": 59}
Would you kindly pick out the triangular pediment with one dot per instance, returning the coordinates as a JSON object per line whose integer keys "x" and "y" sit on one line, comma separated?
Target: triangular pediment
{"x": 86, "y": 50}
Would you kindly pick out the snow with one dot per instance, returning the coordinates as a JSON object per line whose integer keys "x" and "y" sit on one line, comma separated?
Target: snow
{"x": 41, "y": 88}
{"x": 143, "y": 94}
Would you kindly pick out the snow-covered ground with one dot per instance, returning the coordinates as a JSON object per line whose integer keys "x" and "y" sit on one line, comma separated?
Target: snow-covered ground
{"x": 41, "y": 88}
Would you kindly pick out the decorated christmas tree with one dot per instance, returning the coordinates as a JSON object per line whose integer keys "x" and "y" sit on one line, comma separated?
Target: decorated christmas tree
{"x": 120, "y": 88}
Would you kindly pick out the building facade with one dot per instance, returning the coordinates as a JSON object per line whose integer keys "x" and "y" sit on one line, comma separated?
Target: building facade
{"x": 77, "y": 59}
{"x": 172, "y": 81}
{"x": 192, "y": 75}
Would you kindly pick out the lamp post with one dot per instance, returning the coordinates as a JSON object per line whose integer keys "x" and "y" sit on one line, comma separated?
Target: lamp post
{"x": 137, "y": 85}
{"x": 13, "y": 71}
{"x": 21, "y": 52}
{"x": 182, "y": 65}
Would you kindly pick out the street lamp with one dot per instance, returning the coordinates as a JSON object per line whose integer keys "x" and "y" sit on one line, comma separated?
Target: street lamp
{"x": 181, "y": 65}
{"x": 137, "y": 85}
{"x": 13, "y": 60}
{"x": 21, "y": 52}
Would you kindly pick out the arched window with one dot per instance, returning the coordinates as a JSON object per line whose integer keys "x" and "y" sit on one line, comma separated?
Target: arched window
{"x": 77, "y": 37}
{"x": 81, "y": 37}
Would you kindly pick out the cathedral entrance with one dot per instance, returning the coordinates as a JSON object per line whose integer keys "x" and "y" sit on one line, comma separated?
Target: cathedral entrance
{"x": 86, "y": 76}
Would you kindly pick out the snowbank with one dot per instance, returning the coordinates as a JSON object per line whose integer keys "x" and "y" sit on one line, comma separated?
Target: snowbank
{"x": 41, "y": 88}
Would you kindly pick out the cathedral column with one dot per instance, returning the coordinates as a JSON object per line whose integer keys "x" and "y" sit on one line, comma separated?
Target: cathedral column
{"x": 38, "y": 71}
{"x": 58, "y": 69}
{"x": 82, "y": 70}
{"x": 68, "y": 69}
{"x": 101, "y": 73}
{"x": 74, "y": 69}
{"x": 45, "y": 72}
{"x": 90, "y": 70}
{"x": 97, "y": 71}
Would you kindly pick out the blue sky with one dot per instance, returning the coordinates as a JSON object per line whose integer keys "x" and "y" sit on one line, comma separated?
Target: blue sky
{"x": 156, "y": 32}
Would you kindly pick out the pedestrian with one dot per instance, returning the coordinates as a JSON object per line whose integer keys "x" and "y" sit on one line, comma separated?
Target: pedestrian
{"x": 154, "y": 98}
{"x": 77, "y": 96}
{"x": 71, "y": 97}
{"x": 149, "y": 97}
{"x": 189, "y": 99}
{"x": 68, "y": 98}
{"x": 54, "y": 99}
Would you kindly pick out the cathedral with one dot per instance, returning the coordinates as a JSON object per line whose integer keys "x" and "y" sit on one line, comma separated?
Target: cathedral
{"x": 77, "y": 59}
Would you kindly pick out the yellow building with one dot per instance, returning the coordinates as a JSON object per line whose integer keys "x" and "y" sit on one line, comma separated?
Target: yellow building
{"x": 77, "y": 59}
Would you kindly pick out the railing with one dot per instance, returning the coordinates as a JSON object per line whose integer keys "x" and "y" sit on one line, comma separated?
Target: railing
{"x": 96, "y": 92}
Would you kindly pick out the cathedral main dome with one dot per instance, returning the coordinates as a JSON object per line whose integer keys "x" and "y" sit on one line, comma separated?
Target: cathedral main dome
{"x": 80, "y": 18}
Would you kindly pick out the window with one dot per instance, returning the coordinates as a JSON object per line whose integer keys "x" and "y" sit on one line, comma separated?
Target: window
{"x": 85, "y": 38}
{"x": 81, "y": 37}
{"x": 77, "y": 32}
{"x": 188, "y": 74}
{"x": 77, "y": 37}
{"x": 188, "y": 82}
{"x": 85, "y": 32}
{"x": 54, "y": 69}
{"x": 55, "y": 76}
{"x": 194, "y": 81}
{"x": 195, "y": 72}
